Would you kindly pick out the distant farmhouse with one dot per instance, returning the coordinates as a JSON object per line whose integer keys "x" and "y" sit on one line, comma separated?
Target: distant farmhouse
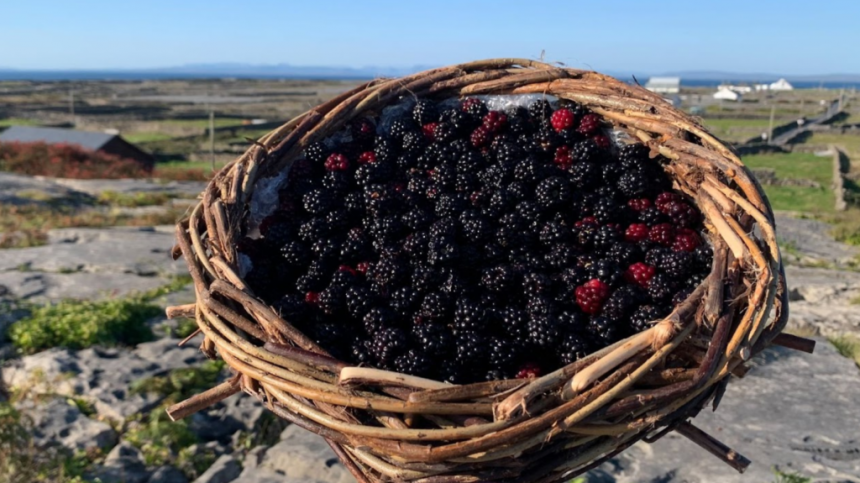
{"x": 94, "y": 141}
{"x": 725, "y": 93}
{"x": 780, "y": 85}
{"x": 664, "y": 85}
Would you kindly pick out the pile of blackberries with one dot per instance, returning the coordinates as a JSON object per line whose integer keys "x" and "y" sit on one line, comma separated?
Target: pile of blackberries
{"x": 465, "y": 244}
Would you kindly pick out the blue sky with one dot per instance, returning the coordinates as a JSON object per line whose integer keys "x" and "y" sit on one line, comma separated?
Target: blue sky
{"x": 788, "y": 37}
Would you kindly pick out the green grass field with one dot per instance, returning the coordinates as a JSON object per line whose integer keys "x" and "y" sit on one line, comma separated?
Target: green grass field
{"x": 849, "y": 143}
{"x": 17, "y": 121}
{"x": 738, "y": 129}
{"x": 798, "y": 166}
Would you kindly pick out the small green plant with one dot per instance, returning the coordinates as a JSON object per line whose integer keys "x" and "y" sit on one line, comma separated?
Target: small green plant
{"x": 193, "y": 463}
{"x": 847, "y": 346}
{"x": 78, "y": 324}
{"x": 789, "y": 247}
{"x": 133, "y": 200}
{"x": 184, "y": 328}
{"x": 160, "y": 439}
{"x": 782, "y": 477}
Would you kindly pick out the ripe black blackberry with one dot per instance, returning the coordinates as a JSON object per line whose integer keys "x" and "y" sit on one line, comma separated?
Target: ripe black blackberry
{"x": 337, "y": 181}
{"x": 277, "y": 230}
{"x": 295, "y": 254}
{"x": 451, "y": 205}
{"x": 543, "y": 330}
{"x": 326, "y": 249}
{"x": 540, "y": 110}
{"x": 552, "y": 231}
{"x": 388, "y": 271}
{"x": 425, "y": 112}
{"x": 442, "y": 251}
{"x": 385, "y": 151}
{"x": 584, "y": 174}
{"x": 603, "y": 329}
{"x": 644, "y": 316}
{"x": 359, "y": 301}
{"x": 353, "y": 203}
{"x": 315, "y": 278}
{"x": 332, "y": 299}
{"x": 469, "y": 316}
{"x": 536, "y": 283}
{"x": 622, "y": 303}
{"x": 676, "y": 265}
{"x": 503, "y": 353}
{"x": 528, "y": 210}
{"x": 474, "y": 226}
{"x": 333, "y": 337}
{"x": 501, "y": 201}
{"x": 470, "y": 162}
{"x": 458, "y": 122}
{"x": 560, "y": 255}
{"x": 386, "y": 228}
{"x": 415, "y": 362}
{"x": 466, "y": 183}
{"x": 498, "y": 278}
{"x": 606, "y": 210}
{"x": 403, "y": 300}
{"x": 316, "y": 153}
{"x": 575, "y": 276}
{"x": 625, "y": 254}
{"x": 381, "y": 199}
{"x": 387, "y": 343}
{"x": 443, "y": 228}
{"x": 652, "y": 216}
{"x": 608, "y": 271}
{"x": 633, "y": 157}
{"x": 512, "y": 231}
{"x": 545, "y": 141}
{"x": 703, "y": 257}
{"x": 293, "y": 308}
{"x": 413, "y": 142}
{"x": 572, "y": 320}
{"x": 470, "y": 348}
{"x": 318, "y": 201}
{"x": 552, "y": 192}
{"x": 573, "y": 347}
{"x": 435, "y": 305}
{"x": 538, "y": 305}
{"x": 417, "y": 219}
{"x": 399, "y": 127}
{"x": 662, "y": 287}
{"x": 360, "y": 352}
{"x": 425, "y": 279}
{"x": 610, "y": 172}
{"x": 605, "y": 237}
{"x": 634, "y": 184}
{"x": 514, "y": 322}
{"x": 586, "y": 151}
{"x": 435, "y": 338}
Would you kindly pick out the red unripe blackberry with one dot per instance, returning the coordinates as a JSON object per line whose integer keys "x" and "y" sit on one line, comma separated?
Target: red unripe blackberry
{"x": 429, "y": 130}
{"x": 312, "y": 297}
{"x": 529, "y": 370}
{"x": 663, "y": 234}
{"x": 639, "y": 204}
{"x": 494, "y": 121}
{"x": 480, "y": 137}
{"x": 563, "y": 157}
{"x": 336, "y": 162}
{"x": 664, "y": 199}
{"x": 361, "y": 267}
{"x": 636, "y": 232}
{"x": 602, "y": 141}
{"x": 367, "y": 157}
{"x": 686, "y": 240}
{"x": 562, "y": 119}
{"x": 590, "y": 297}
{"x": 640, "y": 274}
{"x": 682, "y": 214}
{"x": 589, "y": 124}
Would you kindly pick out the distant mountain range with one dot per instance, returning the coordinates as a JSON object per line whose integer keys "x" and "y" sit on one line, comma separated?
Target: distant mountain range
{"x": 339, "y": 72}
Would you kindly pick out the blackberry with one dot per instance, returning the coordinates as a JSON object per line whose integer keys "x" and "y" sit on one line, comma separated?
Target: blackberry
{"x": 295, "y": 254}
{"x": 514, "y": 322}
{"x": 643, "y": 317}
{"x": 696, "y": 279}
{"x": 606, "y": 210}
{"x": 413, "y": 142}
{"x": 586, "y": 151}
{"x": 528, "y": 210}
{"x": 573, "y": 277}
{"x": 605, "y": 237}
{"x": 417, "y": 219}
{"x": 543, "y": 330}
{"x": 387, "y": 271}
{"x": 470, "y": 348}
{"x": 387, "y": 343}
{"x": 316, "y": 153}
{"x": 457, "y": 121}
{"x": 332, "y": 337}
{"x": 451, "y": 205}
{"x": 277, "y": 230}
{"x": 603, "y": 329}
{"x": 385, "y": 151}
{"x": 610, "y": 173}
{"x": 573, "y": 347}
{"x": 501, "y": 201}
{"x": 560, "y": 255}
{"x": 442, "y": 251}
{"x": 661, "y": 287}
{"x": 474, "y": 226}
{"x": 403, "y": 300}
{"x": 676, "y": 265}
{"x": 318, "y": 201}
{"x": 622, "y": 303}
{"x": 683, "y": 214}
{"x": 529, "y": 170}
{"x": 359, "y": 301}
{"x": 552, "y": 192}
{"x": 536, "y": 284}
{"x": 455, "y": 285}
{"x": 435, "y": 339}
{"x": 553, "y": 231}
{"x": 361, "y": 352}
{"x": 681, "y": 295}
{"x": 703, "y": 257}
{"x": 292, "y": 307}
{"x": 584, "y": 174}
{"x": 608, "y": 272}
{"x": 387, "y": 228}
{"x": 512, "y": 231}
{"x": 353, "y": 202}
{"x": 497, "y": 279}
{"x": 538, "y": 305}
{"x": 469, "y": 316}
{"x": 572, "y": 321}
{"x": 470, "y": 162}
{"x": 332, "y": 299}
{"x": 414, "y": 362}
{"x": 466, "y": 183}
{"x": 315, "y": 278}
{"x": 545, "y": 140}
{"x": 503, "y": 353}
{"x": 624, "y": 254}
{"x": 540, "y": 109}
{"x": 425, "y": 112}
{"x": 381, "y": 200}
{"x": 425, "y": 279}
{"x": 337, "y": 220}
{"x": 654, "y": 256}
{"x": 436, "y": 305}
{"x": 356, "y": 247}
{"x": 326, "y": 249}
{"x": 443, "y": 228}
{"x": 634, "y": 184}
{"x": 633, "y": 157}
{"x": 399, "y": 128}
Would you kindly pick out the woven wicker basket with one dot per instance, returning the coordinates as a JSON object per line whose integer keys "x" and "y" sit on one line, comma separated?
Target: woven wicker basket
{"x": 543, "y": 430}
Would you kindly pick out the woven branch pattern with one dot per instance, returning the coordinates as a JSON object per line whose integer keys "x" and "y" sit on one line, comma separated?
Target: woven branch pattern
{"x": 543, "y": 430}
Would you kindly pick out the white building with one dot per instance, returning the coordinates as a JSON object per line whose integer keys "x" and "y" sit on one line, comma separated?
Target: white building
{"x": 781, "y": 85}
{"x": 761, "y": 87}
{"x": 664, "y": 85}
{"x": 725, "y": 94}
{"x": 740, "y": 89}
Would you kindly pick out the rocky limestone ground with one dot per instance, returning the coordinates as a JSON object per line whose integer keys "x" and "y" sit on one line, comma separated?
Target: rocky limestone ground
{"x": 792, "y": 411}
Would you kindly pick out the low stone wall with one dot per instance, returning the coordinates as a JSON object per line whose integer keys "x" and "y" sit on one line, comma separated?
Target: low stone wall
{"x": 767, "y": 177}
{"x": 840, "y": 167}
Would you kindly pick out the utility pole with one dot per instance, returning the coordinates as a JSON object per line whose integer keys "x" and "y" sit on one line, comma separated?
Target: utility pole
{"x": 72, "y": 106}
{"x": 770, "y": 124}
{"x": 212, "y": 137}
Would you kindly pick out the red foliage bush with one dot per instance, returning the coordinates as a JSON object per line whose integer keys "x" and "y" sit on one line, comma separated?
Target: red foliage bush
{"x": 66, "y": 161}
